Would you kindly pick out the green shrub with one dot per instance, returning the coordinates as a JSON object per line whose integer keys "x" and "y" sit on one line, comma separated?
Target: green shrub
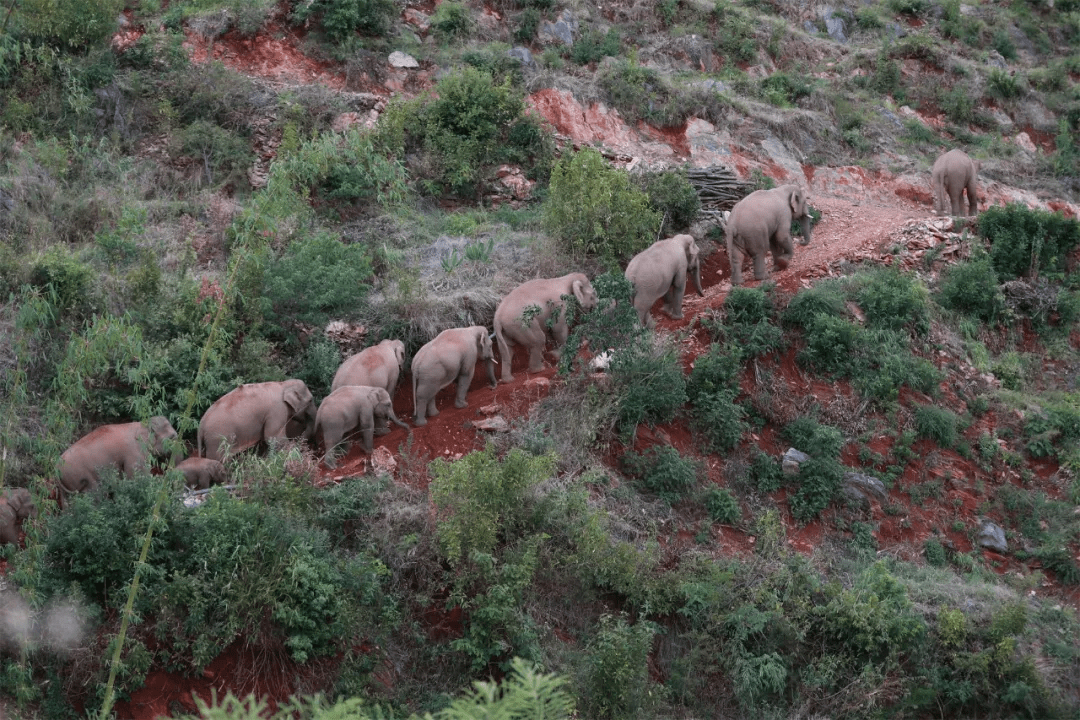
{"x": 784, "y": 90}
{"x": 957, "y": 105}
{"x": 813, "y": 438}
{"x": 649, "y": 382}
{"x": 1024, "y": 242}
{"x": 664, "y": 472}
{"x": 672, "y": 195}
{"x": 715, "y": 371}
{"x": 722, "y": 506}
{"x": 937, "y": 423}
{"x": 528, "y": 24}
{"x": 735, "y": 37}
{"x": 971, "y": 287}
{"x": 749, "y": 327}
{"x": 318, "y": 366}
{"x": 451, "y": 20}
{"x": 73, "y": 24}
{"x": 69, "y": 278}
{"x": 617, "y": 684}
{"x": 893, "y": 300}
{"x": 833, "y": 344}
{"x": 340, "y": 19}
{"x": 862, "y": 536}
{"x": 594, "y": 46}
{"x": 880, "y": 377}
{"x": 820, "y": 479}
{"x": 1004, "y": 85}
{"x": 824, "y": 298}
{"x": 344, "y": 167}
{"x": 759, "y": 679}
{"x": 1004, "y": 44}
{"x": 934, "y": 552}
{"x": 480, "y": 497}
{"x": 766, "y": 472}
{"x": 719, "y": 419}
{"x": 747, "y": 306}
{"x": 224, "y": 155}
{"x": 593, "y": 208}
{"x": 913, "y": 8}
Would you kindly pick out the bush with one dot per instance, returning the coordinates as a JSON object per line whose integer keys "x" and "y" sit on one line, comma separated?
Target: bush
{"x": 748, "y": 313}
{"x": 528, "y": 24}
{"x": 715, "y": 371}
{"x": 593, "y": 208}
{"x": 935, "y": 552}
{"x": 722, "y": 506}
{"x": 1004, "y": 85}
{"x": 672, "y": 195}
{"x": 783, "y": 90}
{"x": 820, "y": 479}
{"x": 649, "y": 382}
{"x": 451, "y": 20}
{"x": 971, "y": 287}
{"x": 72, "y": 23}
{"x": 938, "y": 424}
{"x": 345, "y": 167}
{"x": 223, "y": 155}
{"x": 69, "y": 278}
{"x": 957, "y": 105}
{"x": 664, "y": 472}
{"x": 617, "y": 684}
{"x": 766, "y": 472}
{"x": 813, "y": 438}
{"x": 747, "y": 306}
{"x": 824, "y": 298}
{"x": 832, "y": 345}
{"x": 594, "y": 46}
{"x": 342, "y": 18}
{"x": 720, "y": 419}
{"x": 893, "y": 300}
{"x": 1024, "y": 242}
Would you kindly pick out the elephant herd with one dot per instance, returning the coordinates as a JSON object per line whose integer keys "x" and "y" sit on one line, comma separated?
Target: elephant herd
{"x": 531, "y": 315}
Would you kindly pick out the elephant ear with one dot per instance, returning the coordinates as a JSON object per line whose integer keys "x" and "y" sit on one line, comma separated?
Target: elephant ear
{"x": 797, "y": 201}
{"x": 161, "y": 427}
{"x": 579, "y": 293}
{"x": 296, "y": 395}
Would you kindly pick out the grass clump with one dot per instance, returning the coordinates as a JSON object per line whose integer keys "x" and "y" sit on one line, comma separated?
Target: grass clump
{"x": 971, "y": 287}
{"x": 722, "y": 506}
{"x": 664, "y": 472}
{"x": 937, "y": 423}
{"x": 1025, "y": 242}
{"x": 617, "y": 684}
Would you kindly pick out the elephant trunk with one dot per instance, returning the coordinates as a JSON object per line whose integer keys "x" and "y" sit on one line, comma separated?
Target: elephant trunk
{"x": 490, "y": 364}
{"x": 806, "y": 223}
{"x": 695, "y": 276}
{"x": 390, "y": 414}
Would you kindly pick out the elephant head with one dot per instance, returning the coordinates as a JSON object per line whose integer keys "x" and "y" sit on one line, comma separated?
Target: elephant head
{"x": 302, "y": 409}
{"x": 483, "y": 348}
{"x": 161, "y": 432}
{"x": 585, "y": 294}
{"x": 693, "y": 261}
{"x": 21, "y": 502}
{"x": 799, "y": 211}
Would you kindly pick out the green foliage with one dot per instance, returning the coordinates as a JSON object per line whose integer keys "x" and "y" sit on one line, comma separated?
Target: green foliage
{"x": 893, "y": 300}
{"x": 593, "y": 208}
{"x": 719, "y": 419}
{"x": 1066, "y": 157}
{"x": 224, "y": 155}
{"x": 1004, "y": 85}
{"x": 937, "y": 423}
{"x": 340, "y": 19}
{"x": 315, "y": 278}
{"x": 813, "y": 438}
{"x": 345, "y": 167}
{"x": 69, "y": 278}
{"x": 886, "y": 78}
{"x": 748, "y": 314}
{"x": 318, "y": 366}
{"x": 528, "y": 24}
{"x": 451, "y": 21}
{"x": 735, "y": 37}
{"x": 1004, "y": 44}
{"x": 1024, "y": 242}
{"x": 73, "y": 24}
{"x": 594, "y": 46}
{"x": 934, "y": 552}
{"x": 824, "y": 298}
{"x": 722, "y": 506}
{"x": 480, "y": 497}
{"x": 971, "y": 287}
{"x": 766, "y": 472}
{"x": 819, "y": 482}
{"x": 664, "y": 471}
{"x": 617, "y": 684}
{"x": 833, "y": 344}
{"x": 672, "y": 195}
{"x": 648, "y": 380}
{"x": 715, "y": 371}
{"x": 913, "y": 8}
{"x": 785, "y": 89}
{"x": 957, "y": 105}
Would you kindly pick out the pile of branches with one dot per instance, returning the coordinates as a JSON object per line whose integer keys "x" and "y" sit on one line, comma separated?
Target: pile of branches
{"x": 719, "y": 189}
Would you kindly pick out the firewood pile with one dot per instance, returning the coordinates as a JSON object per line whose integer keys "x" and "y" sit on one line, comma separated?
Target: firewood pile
{"x": 719, "y": 189}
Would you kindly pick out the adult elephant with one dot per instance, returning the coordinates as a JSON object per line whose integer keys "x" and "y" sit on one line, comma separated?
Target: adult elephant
{"x": 761, "y": 222}
{"x": 126, "y": 447}
{"x": 255, "y": 413}
{"x": 546, "y": 296}
{"x": 376, "y": 366}
{"x": 660, "y": 270}
{"x": 351, "y": 408}
{"x": 201, "y": 473}
{"x": 953, "y": 174}
{"x": 451, "y": 355}
{"x": 16, "y": 505}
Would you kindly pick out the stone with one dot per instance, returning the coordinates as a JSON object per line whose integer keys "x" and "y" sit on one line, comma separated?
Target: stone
{"x": 601, "y": 362}
{"x": 992, "y": 537}
{"x": 522, "y": 55}
{"x": 382, "y": 462}
{"x": 399, "y": 59}
{"x": 496, "y": 423}
{"x": 417, "y": 19}
{"x": 895, "y": 31}
{"x": 834, "y": 25}
{"x": 859, "y": 486}
{"x": 1024, "y": 141}
{"x": 558, "y": 32}
{"x": 792, "y": 460}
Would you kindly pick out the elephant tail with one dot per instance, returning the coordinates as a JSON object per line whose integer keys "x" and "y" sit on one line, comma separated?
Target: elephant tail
{"x": 500, "y": 339}
{"x": 200, "y": 443}
{"x": 415, "y": 400}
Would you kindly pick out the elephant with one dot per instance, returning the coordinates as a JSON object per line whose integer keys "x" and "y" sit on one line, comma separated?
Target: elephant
{"x": 952, "y": 174}
{"x": 452, "y": 354}
{"x": 660, "y": 271}
{"x": 201, "y": 473}
{"x": 376, "y": 366}
{"x": 254, "y": 413}
{"x": 545, "y": 294}
{"x": 350, "y": 408}
{"x": 125, "y": 446}
{"x": 16, "y": 504}
{"x": 761, "y": 222}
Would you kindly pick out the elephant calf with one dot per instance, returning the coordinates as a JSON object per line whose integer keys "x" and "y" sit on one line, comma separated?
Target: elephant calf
{"x": 660, "y": 270}
{"x": 254, "y": 413}
{"x": 760, "y": 223}
{"x": 202, "y": 472}
{"x": 351, "y": 408}
{"x": 125, "y": 446}
{"x": 450, "y": 356}
{"x": 953, "y": 174}
{"x": 16, "y": 505}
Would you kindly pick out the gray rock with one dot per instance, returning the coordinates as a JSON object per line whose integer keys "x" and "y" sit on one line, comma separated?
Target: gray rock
{"x": 493, "y": 424}
{"x": 778, "y": 152}
{"x": 399, "y": 59}
{"x": 992, "y": 537}
{"x": 710, "y": 84}
{"x": 522, "y": 55}
{"x": 834, "y": 25}
{"x": 560, "y": 31}
{"x": 792, "y": 460}
{"x": 809, "y": 27}
{"x": 863, "y": 487}
{"x": 895, "y": 31}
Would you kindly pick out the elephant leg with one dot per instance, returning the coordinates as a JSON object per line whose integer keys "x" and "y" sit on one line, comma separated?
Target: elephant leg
{"x": 559, "y": 335}
{"x": 463, "y": 382}
{"x": 331, "y": 439}
{"x": 759, "y": 266}
{"x": 432, "y": 411}
{"x": 973, "y": 198}
{"x": 735, "y": 256}
{"x": 675, "y": 298}
{"x": 783, "y": 252}
{"x": 956, "y": 200}
{"x": 369, "y": 440}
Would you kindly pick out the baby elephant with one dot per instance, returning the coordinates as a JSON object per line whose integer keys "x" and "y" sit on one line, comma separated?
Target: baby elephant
{"x": 126, "y": 447}
{"x": 351, "y": 408}
{"x": 661, "y": 271}
{"x": 15, "y": 505}
{"x": 202, "y": 472}
{"x": 953, "y": 174}
{"x": 451, "y": 355}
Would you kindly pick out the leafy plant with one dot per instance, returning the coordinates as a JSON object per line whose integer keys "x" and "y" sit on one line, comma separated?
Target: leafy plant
{"x": 1024, "y": 242}
{"x": 664, "y": 471}
{"x": 722, "y": 506}
{"x": 719, "y": 419}
{"x": 73, "y": 24}
{"x": 451, "y": 20}
{"x": 594, "y": 46}
{"x": 618, "y": 678}
{"x": 649, "y": 382}
{"x": 972, "y": 287}
{"x": 341, "y": 19}
{"x": 937, "y": 423}
{"x": 671, "y": 194}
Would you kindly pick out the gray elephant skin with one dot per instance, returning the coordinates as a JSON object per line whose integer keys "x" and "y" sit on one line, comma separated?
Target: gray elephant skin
{"x": 376, "y": 366}
{"x": 760, "y": 223}
{"x": 546, "y": 294}
{"x": 660, "y": 270}
{"x": 16, "y": 505}
{"x": 452, "y": 355}
{"x": 200, "y": 473}
{"x": 953, "y": 174}
{"x": 351, "y": 408}
{"x": 254, "y": 413}
{"x": 125, "y": 446}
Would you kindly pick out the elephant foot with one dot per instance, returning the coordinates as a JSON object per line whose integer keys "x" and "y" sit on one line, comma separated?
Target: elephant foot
{"x": 421, "y": 422}
{"x": 460, "y": 404}
{"x": 536, "y": 369}
{"x": 382, "y": 431}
